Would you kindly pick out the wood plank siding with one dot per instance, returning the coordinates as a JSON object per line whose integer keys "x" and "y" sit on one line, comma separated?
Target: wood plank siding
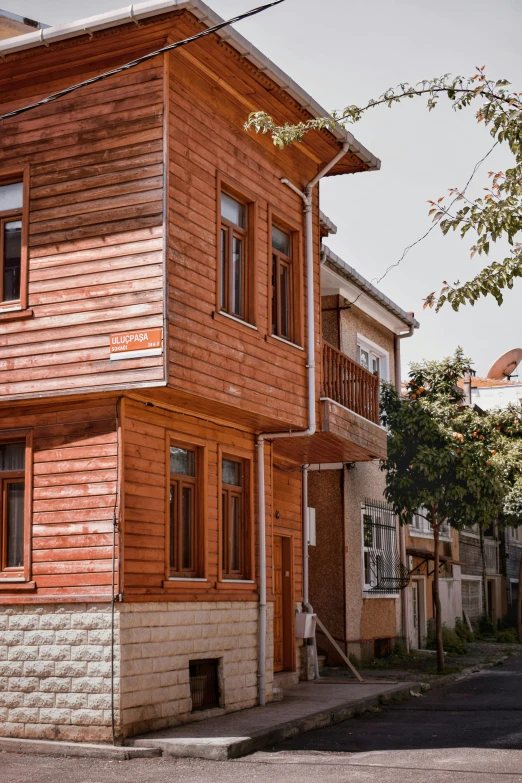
{"x": 236, "y": 365}
{"x": 146, "y": 433}
{"x": 95, "y": 168}
{"x": 74, "y": 494}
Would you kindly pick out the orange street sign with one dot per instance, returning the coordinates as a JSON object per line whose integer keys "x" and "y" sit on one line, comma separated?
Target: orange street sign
{"x": 134, "y": 345}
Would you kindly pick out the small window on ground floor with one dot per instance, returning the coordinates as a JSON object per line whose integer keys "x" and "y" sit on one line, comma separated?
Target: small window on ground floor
{"x": 12, "y": 487}
{"x": 235, "y": 517}
{"x": 183, "y": 532}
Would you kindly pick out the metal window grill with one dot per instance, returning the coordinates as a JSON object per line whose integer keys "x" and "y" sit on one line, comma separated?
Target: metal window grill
{"x": 383, "y": 570}
{"x": 204, "y": 684}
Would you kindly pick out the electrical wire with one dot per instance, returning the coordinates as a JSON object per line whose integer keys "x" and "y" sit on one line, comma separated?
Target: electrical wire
{"x": 138, "y": 61}
{"x": 375, "y": 280}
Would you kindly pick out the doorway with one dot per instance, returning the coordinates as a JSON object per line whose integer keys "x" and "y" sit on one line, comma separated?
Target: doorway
{"x": 283, "y": 615}
{"x": 417, "y": 614}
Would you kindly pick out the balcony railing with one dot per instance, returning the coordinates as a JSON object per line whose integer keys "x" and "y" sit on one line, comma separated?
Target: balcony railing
{"x": 349, "y": 384}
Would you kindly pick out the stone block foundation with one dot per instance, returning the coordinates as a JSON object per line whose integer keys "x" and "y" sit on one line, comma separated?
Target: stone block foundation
{"x": 55, "y": 666}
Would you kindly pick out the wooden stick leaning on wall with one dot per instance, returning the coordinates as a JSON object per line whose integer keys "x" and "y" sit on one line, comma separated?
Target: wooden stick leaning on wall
{"x": 345, "y": 658}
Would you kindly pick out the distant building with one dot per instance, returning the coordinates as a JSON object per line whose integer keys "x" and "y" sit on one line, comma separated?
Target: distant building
{"x": 12, "y": 25}
{"x": 490, "y": 393}
{"x": 490, "y": 576}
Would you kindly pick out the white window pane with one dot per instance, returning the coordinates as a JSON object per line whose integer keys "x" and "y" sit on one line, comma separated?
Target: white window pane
{"x": 15, "y": 524}
{"x": 237, "y": 276}
{"x": 11, "y": 196}
{"x": 281, "y": 241}
{"x": 232, "y": 210}
{"x": 182, "y": 462}
{"x": 231, "y": 473}
{"x": 363, "y": 358}
{"x": 12, "y": 456}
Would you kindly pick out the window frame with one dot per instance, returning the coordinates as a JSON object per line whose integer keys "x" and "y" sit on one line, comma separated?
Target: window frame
{"x": 21, "y": 573}
{"x": 296, "y": 284}
{"x": 248, "y": 235}
{"x": 367, "y": 587}
{"x": 364, "y": 344}
{"x": 8, "y": 177}
{"x": 200, "y": 526}
{"x": 246, "y": 573}
{"x": 419, "y": 527}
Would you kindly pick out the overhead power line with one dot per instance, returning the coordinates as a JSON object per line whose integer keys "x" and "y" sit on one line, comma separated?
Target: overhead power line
{"x": 61, "y": 93}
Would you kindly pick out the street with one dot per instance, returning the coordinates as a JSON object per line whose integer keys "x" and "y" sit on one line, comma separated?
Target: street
{"x": 463, "y": 732}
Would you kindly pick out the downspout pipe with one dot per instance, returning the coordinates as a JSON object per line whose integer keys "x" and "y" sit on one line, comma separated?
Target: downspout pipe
{"x": 404, "y": 595}
{"x": 307, "y": 197}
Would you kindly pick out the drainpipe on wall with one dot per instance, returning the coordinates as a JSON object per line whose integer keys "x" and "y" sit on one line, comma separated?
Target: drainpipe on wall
{"x": 307, "y": 197}
{"x": 404, "y": 594}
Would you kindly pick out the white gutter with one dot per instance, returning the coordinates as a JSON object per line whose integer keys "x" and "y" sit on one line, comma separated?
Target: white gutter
{"x": 307, "y": 197}
{"x": 141, "y": 11}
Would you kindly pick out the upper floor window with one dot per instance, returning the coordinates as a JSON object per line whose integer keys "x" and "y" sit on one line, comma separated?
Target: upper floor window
{"x": 11, "y": 251}
{"x": 183, "y": 554}
{"x": 234, "y": 257}
{"x": 422, "y": 528}
{"x": 372, "y": 357}
{"x": 234, "y": 518}
{"x": 282, "y": 284}
{"x": 12, "y": 510}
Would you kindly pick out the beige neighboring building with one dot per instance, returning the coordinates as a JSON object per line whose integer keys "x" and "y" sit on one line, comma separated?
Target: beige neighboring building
{"x": 356, "y": 574}
{"x": 12, "y": 25}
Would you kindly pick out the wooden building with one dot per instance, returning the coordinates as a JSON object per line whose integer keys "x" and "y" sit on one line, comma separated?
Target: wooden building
{"x": 156, "y": 319}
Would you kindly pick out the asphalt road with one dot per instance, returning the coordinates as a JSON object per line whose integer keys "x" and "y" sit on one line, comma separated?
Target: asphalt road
{"x": 467, "y": 732}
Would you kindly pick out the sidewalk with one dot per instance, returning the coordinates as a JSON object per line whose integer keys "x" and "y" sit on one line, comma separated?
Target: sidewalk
{"x": 306, "y": 706}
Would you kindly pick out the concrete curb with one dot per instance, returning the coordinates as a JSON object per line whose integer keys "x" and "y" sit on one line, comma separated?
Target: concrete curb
{"x": 224, "y": 748}
{"x": 449, "y": 678}
{"x": 75, "y": 749}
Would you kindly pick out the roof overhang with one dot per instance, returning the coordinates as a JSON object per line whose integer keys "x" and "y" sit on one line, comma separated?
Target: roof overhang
{"x": 341, "y": 279}
{"x": 141, "y": 11}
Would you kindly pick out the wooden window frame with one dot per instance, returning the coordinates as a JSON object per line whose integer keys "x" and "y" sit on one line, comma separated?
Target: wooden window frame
{"x": 22, "y": 573}
{"x": 249, "y": 237}
{"x": 8, "y": 178}
{"x": 200, "y": 527}
{"x": 296, "y": 284}
{"x": 247, "y": 572}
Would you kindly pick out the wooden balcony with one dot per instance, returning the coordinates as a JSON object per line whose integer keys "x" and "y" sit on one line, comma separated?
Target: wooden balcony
{"x": 349, "y": 428}
{"x": 352, "y": 386}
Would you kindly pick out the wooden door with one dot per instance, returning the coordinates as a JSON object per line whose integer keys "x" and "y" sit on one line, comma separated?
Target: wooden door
{"x": 278, "y": 605}
{"x": 283, "y": 616}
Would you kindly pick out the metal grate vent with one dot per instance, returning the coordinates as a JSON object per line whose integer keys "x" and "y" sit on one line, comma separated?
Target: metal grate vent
{"x": 204, "y": 684}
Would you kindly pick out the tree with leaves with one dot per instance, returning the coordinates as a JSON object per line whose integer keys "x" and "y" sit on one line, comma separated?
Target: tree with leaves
{"x": 450, "y": 462}
{"x": 495, "y": 216}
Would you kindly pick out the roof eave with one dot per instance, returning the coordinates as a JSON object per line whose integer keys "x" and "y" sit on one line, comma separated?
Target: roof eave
{"x": 204, "y": 14}
{"x": 331, "y": 260}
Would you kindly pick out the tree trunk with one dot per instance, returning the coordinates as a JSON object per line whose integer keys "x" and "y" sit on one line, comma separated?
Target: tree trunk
{"x": 519, "y": 601}
{"x": 436, "y": 597}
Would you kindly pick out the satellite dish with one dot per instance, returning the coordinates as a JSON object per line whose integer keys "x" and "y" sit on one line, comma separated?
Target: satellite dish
{"x": 506, "y": 365}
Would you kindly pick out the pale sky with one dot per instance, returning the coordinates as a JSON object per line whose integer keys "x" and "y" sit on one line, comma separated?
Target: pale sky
{"x": 346, "y": 51}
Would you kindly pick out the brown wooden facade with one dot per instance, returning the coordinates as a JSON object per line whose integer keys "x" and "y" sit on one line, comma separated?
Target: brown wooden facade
{"x": 121, "y": 232}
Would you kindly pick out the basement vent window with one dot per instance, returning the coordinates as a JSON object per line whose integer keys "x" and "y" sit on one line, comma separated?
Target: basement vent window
{"x": 204, "y": 684}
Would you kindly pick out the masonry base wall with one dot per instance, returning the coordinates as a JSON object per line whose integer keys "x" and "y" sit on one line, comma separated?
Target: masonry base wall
{"x": 55, "y": 671}
{"x": 55, "y": 665}
{"x": 159, "y": 639}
